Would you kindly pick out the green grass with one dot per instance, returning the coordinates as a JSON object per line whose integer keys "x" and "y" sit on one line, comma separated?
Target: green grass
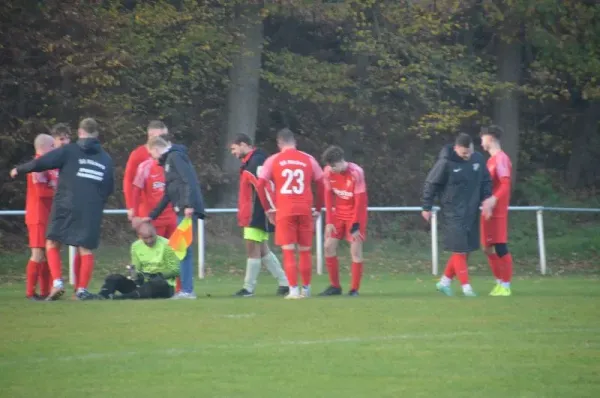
{"x": 400, "y": 338}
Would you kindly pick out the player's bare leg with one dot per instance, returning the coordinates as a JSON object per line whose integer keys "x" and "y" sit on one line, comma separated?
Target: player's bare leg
{"x": 333, "y": 267}
{"x": 55, "y": 264}
{"x": 33, "y": 271}
{"x": 85, "y": 273}
{"x": 494, "y": 262}
{"x": 289, "y": 265}
{"x": 305, "y": 260}
{"x": 272, "y": 264}
{"x": 356, "y": 251}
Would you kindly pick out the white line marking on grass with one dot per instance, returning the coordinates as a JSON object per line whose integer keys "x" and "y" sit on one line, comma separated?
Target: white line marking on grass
{"x": 238, "y": 316}
{"x": 283, "y": 343}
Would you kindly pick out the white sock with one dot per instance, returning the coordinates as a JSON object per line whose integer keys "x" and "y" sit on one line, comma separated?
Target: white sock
{"x": 506, "y": 285}
{"x": 498, "y": 281}
{"x": 81, "y": 289}
{"x": 445, "y": 281}
{"x": 58, "y": 284}
{"x": 294, "y": 291}
{"x": 272, "y": 264}
{"x": 252, "y": 270}
{"x": 467, "y": 288}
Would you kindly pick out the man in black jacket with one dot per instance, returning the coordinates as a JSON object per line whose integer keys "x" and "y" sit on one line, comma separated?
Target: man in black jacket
{"x": 461, "y": 180}
{"x": 182, "y": 190}
{"x": 252, "y": 217}
{"x": 86, "y": 181}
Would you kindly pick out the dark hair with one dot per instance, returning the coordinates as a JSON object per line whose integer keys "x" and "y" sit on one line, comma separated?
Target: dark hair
{"x": 286, "y": 135}
{"x": 494, "y": 130}
{"x": 60, "y": 129}
{"x": 242, "y": 139}
{"x": 90, "y": 126}
{"x": 333, "y": 154}
{"x": 156, "y": 125}
{"x": 463, "y": 140}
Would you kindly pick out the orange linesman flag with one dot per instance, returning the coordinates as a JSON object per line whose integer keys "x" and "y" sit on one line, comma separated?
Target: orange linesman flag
{"x": 182, "y": 238}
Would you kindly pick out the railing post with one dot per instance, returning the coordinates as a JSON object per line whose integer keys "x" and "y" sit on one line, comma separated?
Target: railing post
{"x": 541, "y": 240}
{"x": 71, "y": 265}
{"x": 200, "y": 227}
{"x": 319, "y": 239}
{"x": 434, "y": 243}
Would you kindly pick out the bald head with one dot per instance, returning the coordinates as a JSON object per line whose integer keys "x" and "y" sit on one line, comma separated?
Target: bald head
{"x": 147, "y": 233}
{"x": 43, "y": 143}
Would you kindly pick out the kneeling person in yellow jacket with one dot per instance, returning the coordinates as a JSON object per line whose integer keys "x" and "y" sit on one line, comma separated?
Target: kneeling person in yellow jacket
{"x": 154, "y": 267}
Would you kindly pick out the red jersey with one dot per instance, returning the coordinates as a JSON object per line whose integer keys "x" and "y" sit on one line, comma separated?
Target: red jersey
{"x": 148, "y": 190}
{"x": 347, "y": 193}
{"x": 40, "y": 192}
{"x": 500, "y": 168}
{"x": 292, "y": 172}
{"x": 137, "y": 156}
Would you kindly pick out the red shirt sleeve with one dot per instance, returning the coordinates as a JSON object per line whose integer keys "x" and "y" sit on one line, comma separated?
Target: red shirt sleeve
{"x": 360, "y": 195}
{"x": 318, "y": 178}
{"x": 504, "y": 189}
{"x": 136, "y": 194}
{"x": 329, "y": 198}
{"x": 42, "y": 183}
{"x": 263, "y": 186}
{"x": 503, "y": 171}
{"x": 137, "y": 156}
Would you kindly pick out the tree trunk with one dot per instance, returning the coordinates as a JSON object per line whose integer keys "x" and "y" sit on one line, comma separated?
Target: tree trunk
{"x": 581, "y": 157}
{"x": 242, "y": 102}
{"x": 506, "y": 106}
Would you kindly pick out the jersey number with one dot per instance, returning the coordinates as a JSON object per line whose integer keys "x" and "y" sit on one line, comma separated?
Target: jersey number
{"x": 294, "y": 182}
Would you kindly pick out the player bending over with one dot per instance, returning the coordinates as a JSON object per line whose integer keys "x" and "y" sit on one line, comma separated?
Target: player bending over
{"x": 494, "y": 231}
{"x": 292, "y": 172}
{"x": 86, "y": 181}
{"x": 252, "y": 217}
{"x": 38, "y": 202}
{"x": 462, "y": 182}
{"x": 346, "y": 191}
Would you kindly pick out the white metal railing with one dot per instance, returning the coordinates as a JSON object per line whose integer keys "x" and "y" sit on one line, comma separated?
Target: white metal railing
{"x": 319, "y": 233}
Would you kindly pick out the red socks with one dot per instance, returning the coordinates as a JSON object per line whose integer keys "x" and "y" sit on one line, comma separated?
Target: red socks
{"x": 507, "y": 267}
{"x": 45, "y": 279}
{"x": 85, "y": 273}
{"x": 289, "y": 266}
{"x": 306, "y": 267}
{"x": 333, "y": 269}
{"x": 495, "y": 265}
{"x": 449, "y": 271}
{"x": 459, "y": 260}
{"x": 54, "y": 262}
{"x": 32, "y": 272}
{"x": 356, "y": 272}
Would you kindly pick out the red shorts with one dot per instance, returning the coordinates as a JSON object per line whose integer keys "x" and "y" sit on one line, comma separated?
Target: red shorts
{"x": 294, "y": 230}
{"x": 343, "y": 227}
{"x": 494, "y": 230}
{"x": 37, "y": 235}
{"x": 165, "y": 230}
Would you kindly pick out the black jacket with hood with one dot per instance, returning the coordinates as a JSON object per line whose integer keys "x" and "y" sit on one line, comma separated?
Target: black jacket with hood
{"x": 461, "y": 186}
{"x": 182, "y": 188}
{"x": 85, "y": 181}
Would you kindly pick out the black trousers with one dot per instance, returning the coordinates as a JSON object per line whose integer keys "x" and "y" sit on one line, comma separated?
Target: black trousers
{"x": 156, "y": 288}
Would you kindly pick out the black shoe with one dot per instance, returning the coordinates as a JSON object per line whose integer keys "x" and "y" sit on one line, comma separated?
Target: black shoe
{"x": 283, "y": 290}
{"x": 353, "y": 293}
{"x": 331, "y": 291}
{"x": 85, "y": 295}
{"x": 36, "y": 297}
{"x": 243, "y": 293}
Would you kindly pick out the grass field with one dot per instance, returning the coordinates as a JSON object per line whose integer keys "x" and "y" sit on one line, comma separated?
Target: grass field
{"x": 400, "y": 338}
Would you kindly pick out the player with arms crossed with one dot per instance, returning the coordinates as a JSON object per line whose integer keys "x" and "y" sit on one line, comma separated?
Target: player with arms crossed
{"x": 494, "y": 231}
{"x": 251, "y": 217}
{"x": 38, "y": 202}
{"x": 292, "y": 171}
{"x": 346, "y": 190}
{"x": 86, "y": 181}
{"x": 463, "y": 183}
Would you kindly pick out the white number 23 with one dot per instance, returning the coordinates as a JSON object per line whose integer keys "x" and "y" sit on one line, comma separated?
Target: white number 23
{"x": 294, "y": 182}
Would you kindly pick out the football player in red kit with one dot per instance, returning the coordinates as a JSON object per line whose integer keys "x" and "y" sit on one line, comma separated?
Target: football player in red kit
{"x": 38, "y": 202}
{"x": 292, "y": 171}
{"x": 494, "y": 231}
{"x": 346, "y": 217}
